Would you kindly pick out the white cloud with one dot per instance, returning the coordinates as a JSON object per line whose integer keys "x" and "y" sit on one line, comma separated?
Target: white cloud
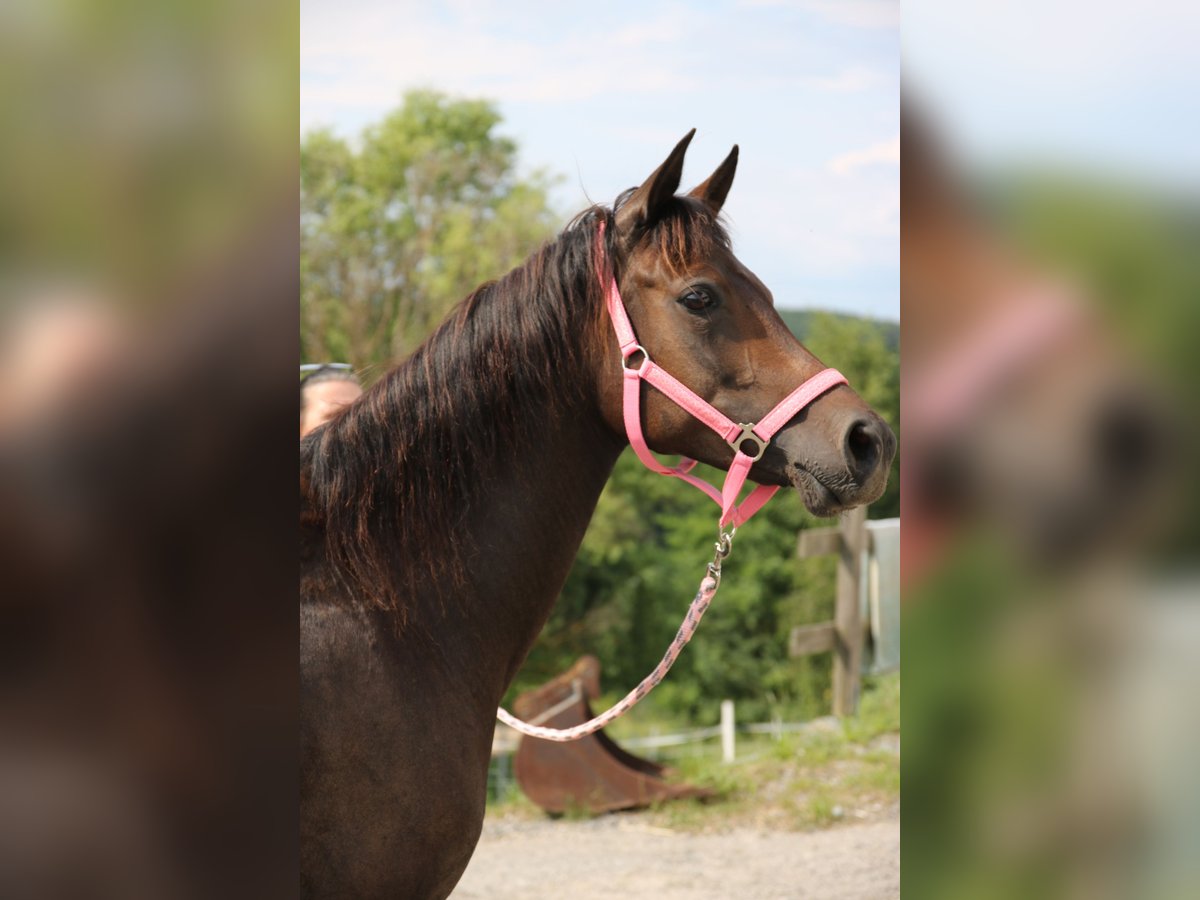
{"x": 884, "y": 153}
{"x": 848, "y": 81}
{"x": 375, "y": 55}
{"x": 834, "y": 226}
{"x": 858, "y": 13}
{"x": 384, "y": 47}
{"x": 854, "y": 13}
{"x": 672, "y": 26}
{"x": 602, "y": 97}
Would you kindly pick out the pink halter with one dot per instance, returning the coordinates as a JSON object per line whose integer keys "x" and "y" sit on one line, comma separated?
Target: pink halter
{"x": 944, "y": 394}
{"x": 735, "y": 434}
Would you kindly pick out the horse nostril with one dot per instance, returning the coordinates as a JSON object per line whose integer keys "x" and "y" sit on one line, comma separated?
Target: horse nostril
{"x": 862, "y": 447}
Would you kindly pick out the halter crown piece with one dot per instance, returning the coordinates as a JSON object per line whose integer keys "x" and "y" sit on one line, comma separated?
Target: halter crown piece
{"x": 736, "y": 435}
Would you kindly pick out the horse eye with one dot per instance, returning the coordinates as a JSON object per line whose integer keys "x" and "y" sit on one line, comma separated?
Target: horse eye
{"x": 696, "y": 299}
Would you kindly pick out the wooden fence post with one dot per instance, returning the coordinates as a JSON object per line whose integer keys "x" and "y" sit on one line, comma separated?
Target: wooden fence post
{"x": 847, "y": 649}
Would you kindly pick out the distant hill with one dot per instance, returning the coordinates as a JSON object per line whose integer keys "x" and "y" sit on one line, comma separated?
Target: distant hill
{"x": 800, "y": 320}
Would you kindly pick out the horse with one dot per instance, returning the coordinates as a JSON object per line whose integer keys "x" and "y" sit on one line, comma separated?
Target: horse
{"x": 441, "y": 512}
{"x": 1026, "y": 423}
{"x": 1025, "y": 418}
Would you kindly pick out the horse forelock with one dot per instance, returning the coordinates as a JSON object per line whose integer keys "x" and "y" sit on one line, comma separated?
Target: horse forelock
{"x": 684, "y": 232}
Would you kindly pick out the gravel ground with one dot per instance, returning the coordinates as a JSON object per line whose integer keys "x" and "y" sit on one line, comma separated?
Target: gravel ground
{"x": 621, "y": 856}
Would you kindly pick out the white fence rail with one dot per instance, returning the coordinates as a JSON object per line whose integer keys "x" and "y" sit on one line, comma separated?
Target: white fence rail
{"x": 507, "y": 743}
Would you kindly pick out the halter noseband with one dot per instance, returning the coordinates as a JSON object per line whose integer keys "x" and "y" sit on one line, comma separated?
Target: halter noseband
{"x": 736, "y": 435}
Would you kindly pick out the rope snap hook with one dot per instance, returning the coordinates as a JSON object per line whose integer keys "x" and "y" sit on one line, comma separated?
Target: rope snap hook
{"x": 722, "y": 548}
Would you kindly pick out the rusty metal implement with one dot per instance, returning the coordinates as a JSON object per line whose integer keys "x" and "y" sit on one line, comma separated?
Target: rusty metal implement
{"x": 592, "y": 774}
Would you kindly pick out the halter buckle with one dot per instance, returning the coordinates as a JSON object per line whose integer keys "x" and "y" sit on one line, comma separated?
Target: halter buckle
{"x": 747, "y": 434}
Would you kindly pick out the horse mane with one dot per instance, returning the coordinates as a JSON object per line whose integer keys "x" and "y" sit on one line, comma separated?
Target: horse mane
{"x": 391, "y": 478}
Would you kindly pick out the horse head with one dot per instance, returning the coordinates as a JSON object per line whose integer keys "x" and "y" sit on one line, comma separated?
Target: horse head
{"x": 705, "y": 318}
{"x": 1027, "y": 419}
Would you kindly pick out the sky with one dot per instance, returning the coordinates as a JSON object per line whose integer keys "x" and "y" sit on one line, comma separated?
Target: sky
{"x": 599, "y": 94}
{"x": 1110, "y": 89}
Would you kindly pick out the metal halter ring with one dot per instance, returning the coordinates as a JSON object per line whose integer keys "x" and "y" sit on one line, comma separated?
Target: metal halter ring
{"x": 637, "y": 348}
{"x": 747, "y": 434}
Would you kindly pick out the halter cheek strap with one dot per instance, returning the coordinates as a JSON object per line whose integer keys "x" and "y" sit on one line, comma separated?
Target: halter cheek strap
{"x": 737, "y": 435}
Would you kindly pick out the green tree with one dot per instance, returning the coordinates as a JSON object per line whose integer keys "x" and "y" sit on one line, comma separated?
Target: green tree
{"x": 858, "y": 348}
{"x": 398, "y": 226}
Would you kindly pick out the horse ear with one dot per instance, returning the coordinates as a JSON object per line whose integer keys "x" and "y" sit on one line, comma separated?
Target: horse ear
{"x": 645, "y": 204}
{"x": 715, "y": 188}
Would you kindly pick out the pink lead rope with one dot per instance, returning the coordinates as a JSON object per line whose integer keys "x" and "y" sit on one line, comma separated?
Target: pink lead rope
{"x": 735, "y": 434}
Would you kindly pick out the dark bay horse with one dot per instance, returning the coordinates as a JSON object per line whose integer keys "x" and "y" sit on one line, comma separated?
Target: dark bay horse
{"x": 440, "y": 514}
{"x": 1025, "y": 416}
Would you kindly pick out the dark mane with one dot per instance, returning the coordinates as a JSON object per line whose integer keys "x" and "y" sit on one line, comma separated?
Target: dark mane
{"x": 392, "y": 477}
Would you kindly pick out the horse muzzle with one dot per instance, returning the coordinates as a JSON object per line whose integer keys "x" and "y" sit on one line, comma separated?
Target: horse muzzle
{"x": 840, "y": 463}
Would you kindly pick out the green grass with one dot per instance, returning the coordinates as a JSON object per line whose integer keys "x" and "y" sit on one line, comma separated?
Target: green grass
{"x": 878, "y": 709}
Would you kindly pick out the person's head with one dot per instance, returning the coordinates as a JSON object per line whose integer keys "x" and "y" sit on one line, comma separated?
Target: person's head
{"x": 56, "y": 347}
{"x": 324, "y": 390}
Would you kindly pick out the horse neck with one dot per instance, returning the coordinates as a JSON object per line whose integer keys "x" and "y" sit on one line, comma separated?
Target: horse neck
{"x": 525, "y": 533}
{"x": 527, "y": 510}
{"x": 960, "y": 278}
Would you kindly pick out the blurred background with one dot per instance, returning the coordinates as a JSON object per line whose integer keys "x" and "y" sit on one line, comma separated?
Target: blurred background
{"x": 1050, "y": 295}
{"x": 150, "y": 262}
{"x": 148, "y": 276}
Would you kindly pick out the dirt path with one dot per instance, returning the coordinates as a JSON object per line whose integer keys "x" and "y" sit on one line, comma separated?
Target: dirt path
{"x": 621, "y": 856}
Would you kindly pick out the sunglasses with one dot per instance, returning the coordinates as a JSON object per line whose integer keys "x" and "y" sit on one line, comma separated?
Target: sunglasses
{"x": 309, "y": 369}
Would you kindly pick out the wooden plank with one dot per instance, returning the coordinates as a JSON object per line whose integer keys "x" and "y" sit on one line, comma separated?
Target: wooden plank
{"x": 848, "y": 647}
{"x": 819, "y": 542}
{"x": 809, "y": 639}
